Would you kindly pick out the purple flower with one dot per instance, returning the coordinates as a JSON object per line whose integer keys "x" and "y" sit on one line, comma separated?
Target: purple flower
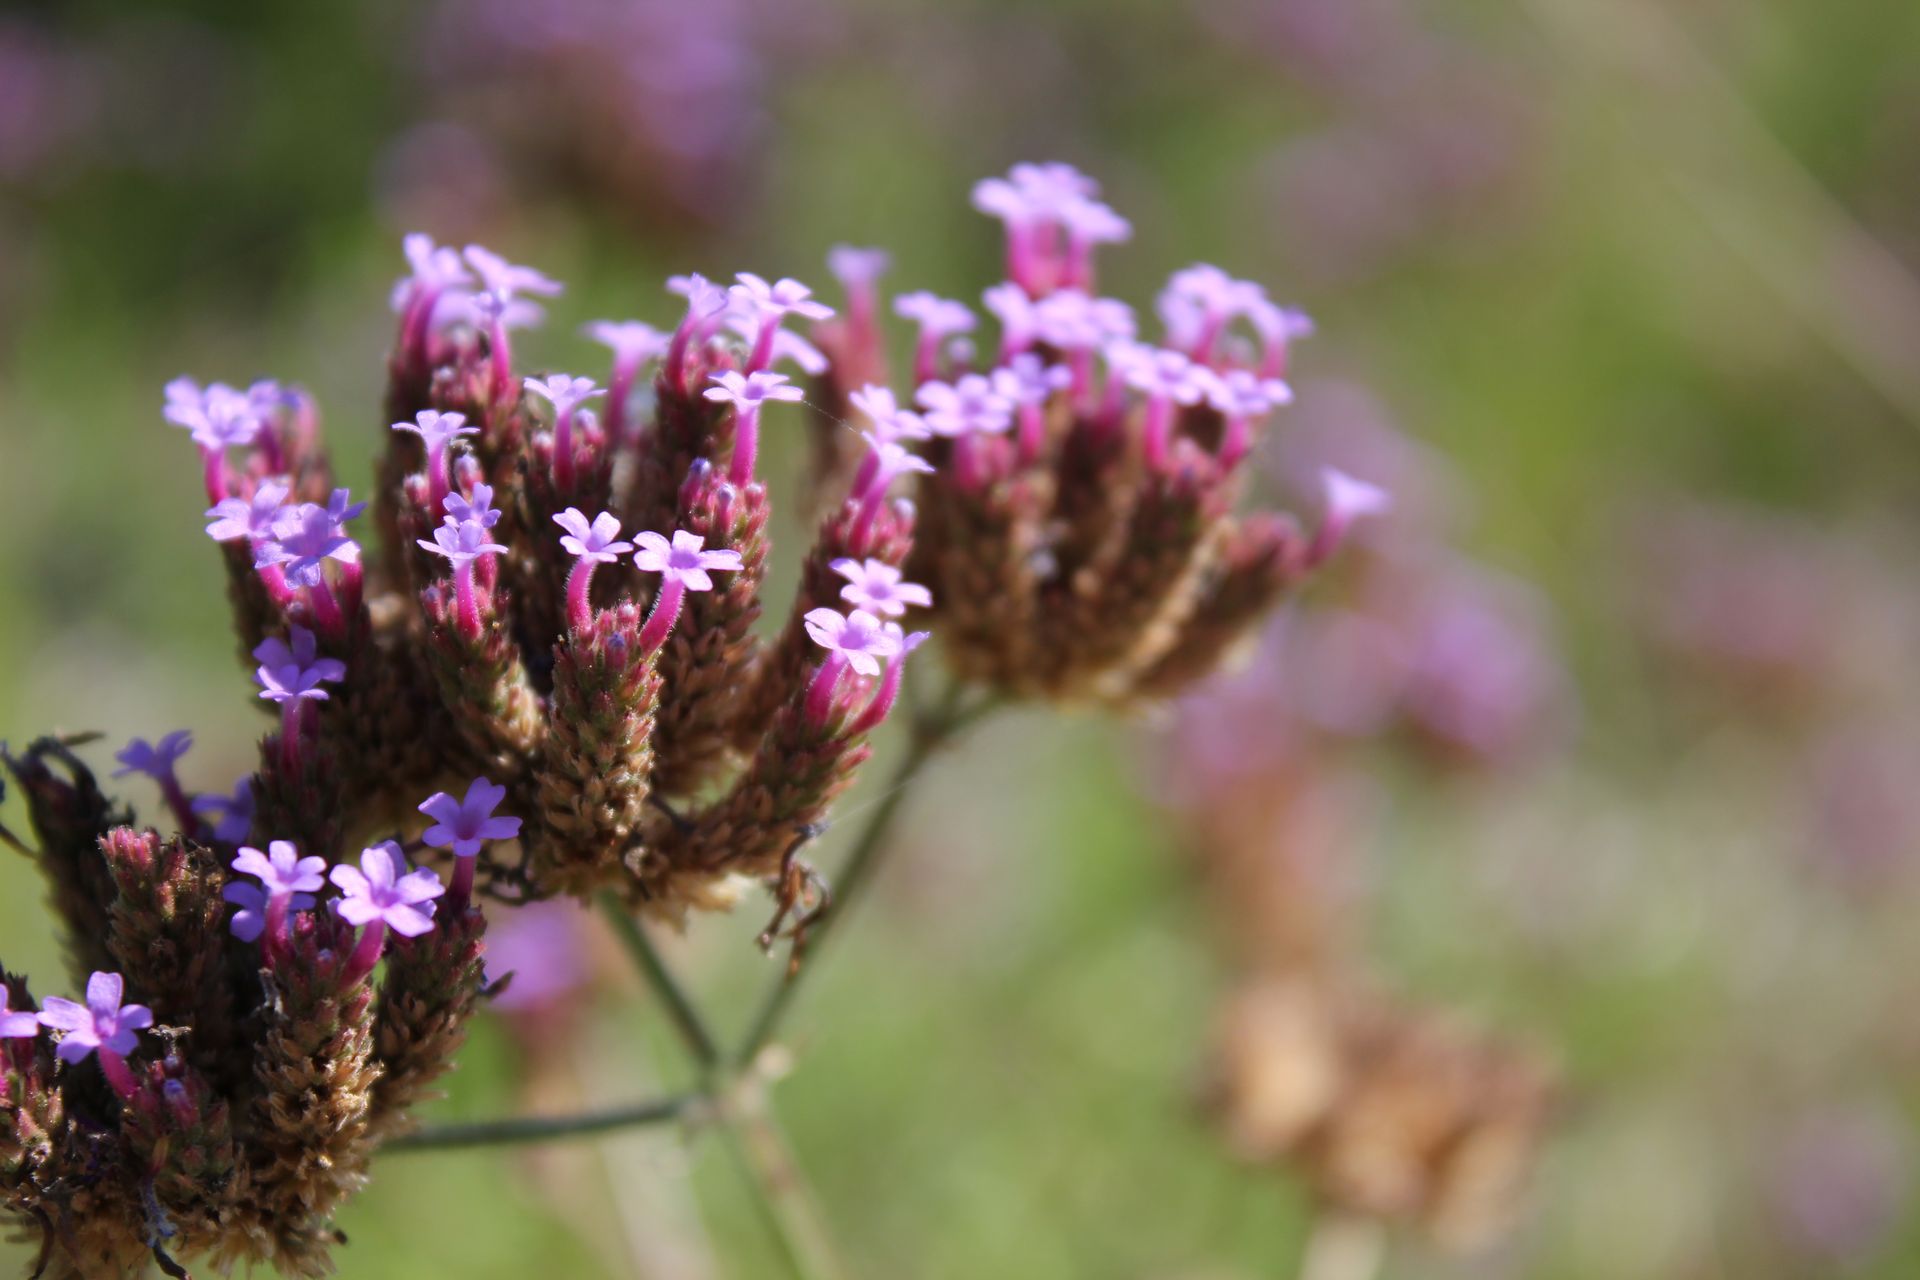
{"x": 786, "y": 346}
{"x": 437, "y": 430}
{"x": 219, "y": 417}
{"x": 705, "y": 299}
{"x": 290, "y": 673}
{"x": 1159, "y": 373}
{"x": 1026, "y": 379}
{"x": 232, "y": 815}
{"x": 937, "y": 317}
{"x": 249, "y": 518}
{"x": 1073, "y": 320}
{"x": 101, "y": 1024}
{"x": 1348, "y": 500}
{"x": 875, "y": 586}
{"x": 682, "y": 560}
{"x": 287, "y": 883}
{"x": 464, "y": 825}
{"x": 503, "y": 280}
{"x": 966, "y": 407}
{"x": 477, "y": 510}
{"x": 598, "y": 541}
{"x": 380, "y": 891}
{"x": 857, "y": 269}
{"x": 1014, "y": 309}
{"x": 436, "y": 268}
{"x": 890, "y": 421}
{"x": 1198, "y": 303}
{"x": 1278, "y": 327}
{"x": 859, "y": 638}
{"x": 307, "y": 537}
{"x": 632, "y": 342}
{"x": 155, "y": 760}
{"x": 769, "y": 301}
{"x": 462, "y": 541}
{"x": 751, "y": 391}
{"x": 16, "y": 1026}
{"x": 566, "y": 393}
{"x": 887, "y": 459}
{"x": 1089, "y": 222}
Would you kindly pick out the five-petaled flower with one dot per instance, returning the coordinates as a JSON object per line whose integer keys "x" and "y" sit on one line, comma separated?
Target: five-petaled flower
{"x": 939, "y": 319}
{"x": 154, "y": 759}
{"x": 858, "y": 639}
{"x": 291, "y": 673}
{"x": 890, "y": 421}
{"x": 102, "y": 1026}
{"x": 21, "y": 1025}
{"x": 595, "y": 544}
{"x": 768, "y": 304}
{"x": 307, "y": 537}
{"x": 968, "y": 407}
{"x": 478, "y": 509}
{"x": 504, "y": 279}
{"x": 233, "y": 519}
{"x": 748, "y": 393}
{"x": 567, "y": 394}
{"x": 232, "y": 814}
{"x": 1348, "y": 500}
{"x": 287, "y": 883}
{"x": 381, "y": 894}
{"x": 876, "y": 586}
{"x": 683, "y": 566}
{"x": 438, "y": 431}
{"x": 464, "y": 826}
{"x": 632, "y": 344}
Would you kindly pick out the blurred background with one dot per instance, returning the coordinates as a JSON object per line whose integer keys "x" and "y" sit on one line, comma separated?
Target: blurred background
{"x": 1597, "y": 764}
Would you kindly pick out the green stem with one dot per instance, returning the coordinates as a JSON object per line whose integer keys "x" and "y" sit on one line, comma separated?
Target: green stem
{"x": 527, "y": 1130}
{"x": 781, "y": 1194}
{"x": 653, "y": 967}
{"x": 930, "y": 733}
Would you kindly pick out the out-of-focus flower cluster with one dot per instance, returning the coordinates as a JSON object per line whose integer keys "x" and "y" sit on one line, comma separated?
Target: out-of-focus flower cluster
{"x": 560, "y": 617}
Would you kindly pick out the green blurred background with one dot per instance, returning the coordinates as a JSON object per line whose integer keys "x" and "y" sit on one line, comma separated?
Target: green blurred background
{"x": 1611, "y": 259}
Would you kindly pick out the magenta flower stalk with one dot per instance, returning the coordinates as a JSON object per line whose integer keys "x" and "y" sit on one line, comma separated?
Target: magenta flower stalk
{"x": 787, "y": 346}
{"x": 436, "y": 269}
{"x": 464, "y": 826}
{"x": 1081, "y": 325}
{"x": 501, "y": 281}
{"x": 706, "y": 303}
{"x": 230, "y": 816}
{"x": 438, "y": 431}
{"x": 748, "y": 394}
{"x": 683, "y": 566}
{"x": 939, "y": 319}
{"x": 16, "y": 1026}
{"x": 876, "y": 587}
{"x": 1278, "y": 328}
{"x": 1019, "y": 322}
{"x": 287, "y": 884}
{"x": 566, "y": 395}
{"x": 291, "y": 675}
{"x": 1168, "y": 379}
{"x": 1089, "y": 224}
{"x": 963, "y": 410}
{"x": 1198, "y": 304}
{"x": 1028, "y": 383}
{"x": 1243, "y": 399}
{"x": 885, "y": 460}
{"x": 594, "y": 544}
{"x": 219, "y": 418}
{"x": 1348, "y": 500}
{"x": 889, "y": 691}
{"x": 859, "y": 271}
{"x": 272, "y": 403}
{"x": 102, "y": 1028}
{"x": 769, "y": 304}
{"x": 157, "y": 760}
{"x": 857, "y": 640}
{"x": 378, "y": 895}
{"x": 633, "y": 345}
{"x": 463, "y": 541}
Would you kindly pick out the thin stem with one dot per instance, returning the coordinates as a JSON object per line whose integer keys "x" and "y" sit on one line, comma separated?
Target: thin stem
{"x": 1344, "y": 1247}
{"x": 529, "y": 1130}
{"x": 786, "y": 1205}
{"x": 653, "y": 967}
{"x": 929, "y": 734}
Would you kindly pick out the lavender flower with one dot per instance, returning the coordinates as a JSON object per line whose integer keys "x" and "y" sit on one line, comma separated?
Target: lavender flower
{"x": 1028, "y": 382}
{"x": 502, "y": 282}
{"x": 747, "y": 394}
{"x": 1079, "y": 325}
{"x": 939, "y": 319}
{"x": 633, "y": 345}
{"x": 967, "y": 407}
{"x": 231, "y": 815}
{"x": 252, "y": 519}
{"x": 706, "y": 306}
{"x": 1243, "y": 399}
{"x": 1019, "y": 320}
{"x": 787, "y": 345}
{"x": 876, "y": 587}
{"x": 462, "y": 541}
{"x": 683, "y": 566}
{"x": 1348, "y": 500}
{"x": 16, "y": 1026}
{"x": 859, "y": 272}
{"x": 157, "y": 760}
{"x": 464, "y": 826}
{"x": 857, "y": 640}
{"x": 381, "y": 894}
{"x": 290, "y": 673}
{"x": 890, "y": 421}
{"x": 567, "y": 394}
{"x": 219, "y": 418}
{"x": 1088, "y": 224}
{"x": 287, "y": 883}
{"x": 309, "y": 536}
{"x": 768, "y": 304}
{"x": 1168, "y": 379}
{"x": 1278, "y": 327}
{"x": 889, "y": 690}
{"x": 438, "y": 431}
{"x": 594, "y": 544}
{"x": 102, "y": 1026}
{"x": 436, "y": 268}
{"x": 476, "y": 510}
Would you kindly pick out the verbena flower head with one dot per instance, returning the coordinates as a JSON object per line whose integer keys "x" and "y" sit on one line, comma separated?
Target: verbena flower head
{"x": 937, "y": 317}
{"x": 382, "y": 890}
{"x": 437, "y": 430}
{"x": 154, "y": 759}
{"x": 478, "y": 509}
{"x": 751, "y": 391}
{"x": 782, "y": 297}
{"x": 16, "y": 1026}
{"x": 249, "y": 519}
{"x": 890, "y": 421}
{"x": 462, "y": 541}
{"x": 682, "y": 560}
{"x": 308, "y": 536}
{"x": 564, "y": 392}
{"x": 859, "y": 637}
{"x": 464, "y": 825}
{"x": 292, "y": 672}
{"x": 631, "y": 341}
{"x": 101, "y": 1023}
{"x": 876, "y": 586}
{"x": 598, "y": 541}
{"x": 967, "y": 407}
{"x": 503, "y": 280}
{"x": 231, "y": 814}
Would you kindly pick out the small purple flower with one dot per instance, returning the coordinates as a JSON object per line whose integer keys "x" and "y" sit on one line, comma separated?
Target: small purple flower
{"x": 503, "y": 279}
{"x": 232, "y": 815}
{"x": 218, "y": 416}
{"x": 436, "y": 268}
{"x": 291, "y": 673}
{"x": 462, "y": 542}
{"x": 782, "y": 297}
{"x": 1278, "y": 327}
{"x": 16, "y": 1026}
{"x": 1014, "y": 309}
{"x": 682, "y": 560}
{"x": 1198, "y": 303}
{"x": 632, "y": 342}
{"x": 598, "y": 541}
{"x": 1348, "y": 500}
{"x": 155, "y": 760}
{"x": 101, "y": 1025}
{"x": 876, "y": 587}
{"x": 249, "y": 518}
{"x": 309, "y": 535}
{"x": 967, "y": 407}
{"x": 855, "y": 268}
{"x": 287, "y": 883}
{"x": 566, "y": 393}
{"x": 464, "y": 825}
{"x": 1026, "y": 379}
{"x": 381, "y": 891}
{"x": 751, "y": 391}
{"x": 939, "y": 319}
{"x": 437, "y": 430}
{"x": 859, "y": 639}
{"x": 477, "y": 510}
{"x": 705, "y": 299}
{"x": 786, "y": 346}
{"x": 1074, "y": 320}
{"x": 1160, "y": 373}
{"x": 890, "y": 421}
